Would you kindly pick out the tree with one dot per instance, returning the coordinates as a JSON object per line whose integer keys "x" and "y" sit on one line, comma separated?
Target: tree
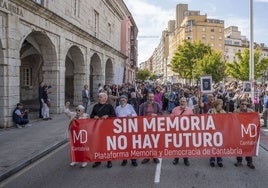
{"x": 186, "y": 57}
{"x": 143, "y": 74}
{"x": 153, "y": 76}
{"x": 211, "y": 64}
{"x": 240, "y": 69}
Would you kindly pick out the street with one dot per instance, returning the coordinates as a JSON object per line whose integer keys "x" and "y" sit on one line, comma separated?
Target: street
{"x": 53, "y": 170}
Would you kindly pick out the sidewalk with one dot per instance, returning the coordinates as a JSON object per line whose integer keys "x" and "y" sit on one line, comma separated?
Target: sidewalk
{"x": 21, "y": 147}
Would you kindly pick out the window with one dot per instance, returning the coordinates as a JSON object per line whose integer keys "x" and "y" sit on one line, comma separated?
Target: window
{"x": 212, "y": 37}
{"x": 96, "y": 23}
{"x": 26, "y": 76}
{"x": 76, "y": 7}
{"x": 212, "y": 45}
{"x": 220, "y": 30}
{"x": 212, "y": 29}
{"x": 220, "y": 38}
{"x": 40, "y": 2}
{"x": 110, "y": 31}
{"x": 203, "y": 37}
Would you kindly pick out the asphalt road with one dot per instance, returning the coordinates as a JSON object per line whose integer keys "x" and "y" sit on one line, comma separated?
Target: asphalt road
{"x": 53, "y": 171}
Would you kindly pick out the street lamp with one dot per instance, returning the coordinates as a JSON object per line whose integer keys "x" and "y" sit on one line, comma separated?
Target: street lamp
{"x": 251, "y": 50}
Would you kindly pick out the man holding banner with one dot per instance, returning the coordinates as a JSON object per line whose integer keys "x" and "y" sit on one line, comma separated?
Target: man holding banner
{"x": 102, "y": 110}
{"x": 183, "y": 109}
{"x": 125, "y": 110}
{"x": 242, "y": 109}
{"x": 150, "y": 108}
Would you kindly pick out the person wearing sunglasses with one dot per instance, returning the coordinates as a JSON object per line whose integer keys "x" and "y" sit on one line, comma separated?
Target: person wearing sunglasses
{"x": 243, "y": 108}
{"x": 78, "y": 114}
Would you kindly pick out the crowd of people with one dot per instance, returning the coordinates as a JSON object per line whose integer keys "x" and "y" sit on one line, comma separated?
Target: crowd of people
{"x": 144, "y": 99}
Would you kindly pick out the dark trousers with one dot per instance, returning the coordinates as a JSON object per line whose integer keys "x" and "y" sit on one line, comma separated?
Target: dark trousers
{"x": 23, "y": 121}
{"x": 248, "y": 159}
{"x": 40, "y": 109}
{"x": 212, "y": 159}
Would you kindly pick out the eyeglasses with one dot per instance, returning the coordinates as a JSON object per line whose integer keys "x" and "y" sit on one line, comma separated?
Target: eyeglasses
{"x": 183, "y": 101}
{"x": 244, "y": 104}
{"x": 78, "y": 110}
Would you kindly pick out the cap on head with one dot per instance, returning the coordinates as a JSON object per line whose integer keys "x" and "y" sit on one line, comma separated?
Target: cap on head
{"x": 123, "y": 97}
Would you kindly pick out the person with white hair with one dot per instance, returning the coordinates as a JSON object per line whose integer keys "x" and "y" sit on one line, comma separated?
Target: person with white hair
{"x": 125, "y": 110}
{"x": 102, "y": 110}
{"x": 79, "y": 114}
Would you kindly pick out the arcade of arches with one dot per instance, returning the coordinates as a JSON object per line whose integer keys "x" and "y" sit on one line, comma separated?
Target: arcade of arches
{"x": 40, "y": 59}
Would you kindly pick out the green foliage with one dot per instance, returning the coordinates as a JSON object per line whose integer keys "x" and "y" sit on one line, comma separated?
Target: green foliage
{"x": 185, "y": 60}
{"x": 240, "y": 69}
{"x": 153, "y": 76}
{"x": 143, "y": 74}
{"x": 211, "y": 64}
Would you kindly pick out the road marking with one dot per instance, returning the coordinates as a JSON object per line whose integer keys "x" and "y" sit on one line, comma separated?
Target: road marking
{"x": 158, "y": 171}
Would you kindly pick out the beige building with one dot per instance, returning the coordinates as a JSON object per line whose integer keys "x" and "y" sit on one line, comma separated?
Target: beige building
{"x": 65, "y": 43}
{"x": 234, "y": 42}
{"x": 192, "y": 26}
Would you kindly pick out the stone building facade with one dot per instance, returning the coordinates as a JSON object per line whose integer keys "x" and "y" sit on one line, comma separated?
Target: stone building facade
{"x": 65, "y": 43}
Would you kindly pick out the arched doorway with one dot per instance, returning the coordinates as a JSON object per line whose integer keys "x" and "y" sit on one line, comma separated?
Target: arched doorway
{"x": 109, "y": 73}
{"x": 37, "y": 55}
{"x": 74, "y": 75}
{"x": 95, "y": 75}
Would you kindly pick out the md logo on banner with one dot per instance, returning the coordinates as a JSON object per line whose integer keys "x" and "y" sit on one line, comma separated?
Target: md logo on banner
{"x": 250, "y": 129}
{"x": 80, "y": 137}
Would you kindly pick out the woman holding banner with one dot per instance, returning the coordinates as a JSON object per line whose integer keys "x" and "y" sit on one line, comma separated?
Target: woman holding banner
{"x": 216, "y": 110}
{"x": 79, "y": 114}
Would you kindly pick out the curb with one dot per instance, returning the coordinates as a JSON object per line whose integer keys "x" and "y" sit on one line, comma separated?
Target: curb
{"x": 24, "y": 163}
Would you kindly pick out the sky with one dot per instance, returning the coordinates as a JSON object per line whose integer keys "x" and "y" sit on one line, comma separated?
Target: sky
{"x": 152, "y": 16}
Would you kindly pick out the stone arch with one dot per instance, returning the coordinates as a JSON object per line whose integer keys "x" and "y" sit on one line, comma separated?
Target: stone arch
{"x": 95, "y": 75}
{"x": 75, "y": 75}
{"x": 109, "y": 73}
{"x": 38, "y": 63}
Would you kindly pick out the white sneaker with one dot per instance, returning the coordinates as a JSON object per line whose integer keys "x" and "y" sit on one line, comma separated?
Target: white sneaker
{"x": 18, "y": 126}
{"x": 73, "y": 163}
{"x": 28, "y": 125}
{"x": 84, "y": 164}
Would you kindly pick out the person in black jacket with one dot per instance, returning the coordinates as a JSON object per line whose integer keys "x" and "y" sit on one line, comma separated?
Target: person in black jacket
{"x": 102, "y": 110}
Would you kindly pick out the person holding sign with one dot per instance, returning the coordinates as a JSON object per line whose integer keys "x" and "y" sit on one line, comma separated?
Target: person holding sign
{"x": 125, "y": 110}
{"x": 102, "y": 110}
{"x": 183, "y": 109}
{"x": 216, "y": 110}
{"x": 79, "y": 114}
{"x": 242, "y": 109}
{"x": 150, "y": 108}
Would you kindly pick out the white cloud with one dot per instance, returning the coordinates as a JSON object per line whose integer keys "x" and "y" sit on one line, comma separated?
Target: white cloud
{"x": 263, "y": 1}
{"x": 151, "y": 21}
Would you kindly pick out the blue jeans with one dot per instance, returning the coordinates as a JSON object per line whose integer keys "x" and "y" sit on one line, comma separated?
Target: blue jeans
{"x": 212, "y": 160}
{"x": 23, "y": 121}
